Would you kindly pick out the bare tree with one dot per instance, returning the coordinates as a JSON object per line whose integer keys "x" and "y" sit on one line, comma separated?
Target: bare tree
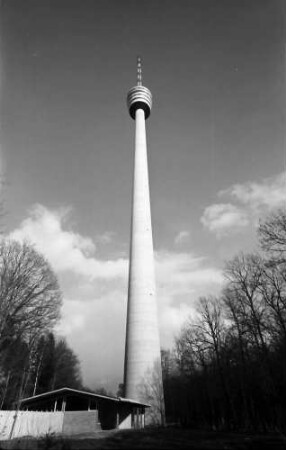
{"x": 151, "y": 388}
{"x": 244, "y": 274}
{"x": 30, "y": 301}
{"x": 272, "y": 234}
{"x": 195, "y": 357}
{"x": 30, "y": 297}
{"x": 273, "y": 290}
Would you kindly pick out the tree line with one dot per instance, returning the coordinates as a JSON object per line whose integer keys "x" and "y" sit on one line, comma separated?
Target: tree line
{"x": 32, "y": 359}
{"x": 228, "y": 368}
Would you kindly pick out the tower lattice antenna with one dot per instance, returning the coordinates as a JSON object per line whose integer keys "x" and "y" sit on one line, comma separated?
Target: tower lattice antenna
{"x": 139, "y": 71}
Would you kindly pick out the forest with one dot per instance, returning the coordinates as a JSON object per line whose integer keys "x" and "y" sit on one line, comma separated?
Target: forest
{"x": 228, "y": 368}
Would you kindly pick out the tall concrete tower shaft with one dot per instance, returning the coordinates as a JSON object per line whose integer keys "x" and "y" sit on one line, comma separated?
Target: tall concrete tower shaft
{"x": 142, "y": 371}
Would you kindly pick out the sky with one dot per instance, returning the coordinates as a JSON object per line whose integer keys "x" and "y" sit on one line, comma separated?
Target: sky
{"x": 216, "y": 149}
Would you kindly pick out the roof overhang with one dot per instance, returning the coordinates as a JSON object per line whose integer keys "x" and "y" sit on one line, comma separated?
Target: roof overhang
{"x": 69, "y": 391}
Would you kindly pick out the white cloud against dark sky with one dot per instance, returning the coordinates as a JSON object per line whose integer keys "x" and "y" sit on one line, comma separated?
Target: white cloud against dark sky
{"x": 252, "y": 200}
{"x": 216, "y": 143}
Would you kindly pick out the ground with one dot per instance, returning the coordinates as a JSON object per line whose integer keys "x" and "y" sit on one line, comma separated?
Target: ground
{"x": 168, "y": 438}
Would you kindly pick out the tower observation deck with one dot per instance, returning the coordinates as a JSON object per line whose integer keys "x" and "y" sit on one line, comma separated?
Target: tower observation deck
{"x": 139, "y": 97}
{"x": 142, "y": 368}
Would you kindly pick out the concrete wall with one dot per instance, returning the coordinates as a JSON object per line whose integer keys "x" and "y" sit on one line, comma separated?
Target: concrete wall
{"x": 130, "y": 417}
{"x": 125, "y": 423}
{"x": 124, "y": 417}
{"x": 29, "y": 423}
{"x": 37, "y": 423}
{"x": 142, "y": 348}
{"x": 76, "y": 422}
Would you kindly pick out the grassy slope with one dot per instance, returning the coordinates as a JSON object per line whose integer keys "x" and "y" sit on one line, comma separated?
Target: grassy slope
{"x": 154, "y": 439}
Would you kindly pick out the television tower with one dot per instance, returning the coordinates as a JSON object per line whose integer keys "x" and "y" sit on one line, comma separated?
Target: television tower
{"x": 142, "y": 368}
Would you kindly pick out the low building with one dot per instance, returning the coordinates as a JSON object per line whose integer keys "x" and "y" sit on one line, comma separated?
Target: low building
{"x": 85, "y": 412}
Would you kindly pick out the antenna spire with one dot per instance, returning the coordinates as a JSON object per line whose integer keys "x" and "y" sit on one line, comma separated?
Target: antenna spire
{"x": 139, "y": 71}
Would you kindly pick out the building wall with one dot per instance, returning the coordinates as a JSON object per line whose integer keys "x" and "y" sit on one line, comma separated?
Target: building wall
{"x": 39, "y": 423}
{"x": 29, "y": 423}
{"x": 130, "y": 417}
{"x": 124, "y": 417}
{"x": 76, "y": 422}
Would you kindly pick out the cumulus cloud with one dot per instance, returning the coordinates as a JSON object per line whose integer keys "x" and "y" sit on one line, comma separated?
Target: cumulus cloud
{"x": 270, "y": 193}
{"x": 95, "y": 292}
{"x": 184, "y": 272}
{"x": 251, "y": 200}
{"x": 182, "y": 237}
{"x": 65, "y": 249}
{"x": 181, "y": 279}
{"x": 96, "y": 331}
{"x": 221, "y": 218}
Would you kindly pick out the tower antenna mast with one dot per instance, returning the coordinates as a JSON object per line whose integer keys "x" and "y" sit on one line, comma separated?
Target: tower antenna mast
{"x": 139, "y": 71}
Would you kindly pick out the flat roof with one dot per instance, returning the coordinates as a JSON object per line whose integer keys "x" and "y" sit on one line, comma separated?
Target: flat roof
{"x": 70, "y": 391}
